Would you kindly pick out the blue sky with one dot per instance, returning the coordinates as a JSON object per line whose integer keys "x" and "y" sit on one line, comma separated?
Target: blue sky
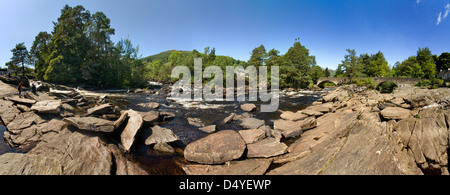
{"x": 235, "y": 27}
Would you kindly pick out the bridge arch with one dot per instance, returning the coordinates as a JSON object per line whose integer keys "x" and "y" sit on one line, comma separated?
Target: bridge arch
{"x": 386, "y": 86}
{"x": 322, "y": 83}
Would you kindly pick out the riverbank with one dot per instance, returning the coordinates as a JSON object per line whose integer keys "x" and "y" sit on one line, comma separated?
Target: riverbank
{"x": 346, "y": 131}
{"x": 57, "y": 113}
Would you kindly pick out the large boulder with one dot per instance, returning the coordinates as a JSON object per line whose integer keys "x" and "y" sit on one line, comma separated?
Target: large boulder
{"x": 134, "y": 124}
{"x": 86, "y": 153}
{"x": 293, "y": 116}
{"x": 251, "y": 123}
{"x": 47, "y": 107}
{"x": 420, "y": 100}
{"x": 252, "y": 135}
{"x": 91, "y": 124}
{"x": 288, "y": 128}
{"x": 216, "y": 148}
{"x": 99, "y": 110}
{"x": 335, "y": 96}
{"x": 150, "y": 117}
{"x": 266, "y": 148}
{"x": 395, "y": 113}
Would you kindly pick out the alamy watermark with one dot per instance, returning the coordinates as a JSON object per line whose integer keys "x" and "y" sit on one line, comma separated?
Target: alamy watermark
{"x": 213, "y": 90}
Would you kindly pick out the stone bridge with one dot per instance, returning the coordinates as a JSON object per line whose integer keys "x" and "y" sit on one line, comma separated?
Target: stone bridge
{"x": 400, "y": 82}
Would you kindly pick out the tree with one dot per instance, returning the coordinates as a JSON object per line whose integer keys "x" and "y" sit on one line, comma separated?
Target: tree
{"x": 100, "y": 32}
{"x": 176, "y": 58}
{"x": 339, "y": 71}
{"x": 295, "y": 67}
{"x": 326, "y": 72}
{"x": 39, "y": 52}
{"x": 258, "y": 55}
{"x": 443, "y": 62}
{"x": 69, "y": 47}
{"x": 426, "y": 62}
{"x": 364, "y": 61}
{"x": 409, "y": 68}
{"x": 20, "y": 58}
{"x": 350, "y": 65}
{"x": 378, "y": 66}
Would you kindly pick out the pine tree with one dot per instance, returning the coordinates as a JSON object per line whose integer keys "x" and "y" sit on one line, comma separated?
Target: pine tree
{"x": 20, "y": 58}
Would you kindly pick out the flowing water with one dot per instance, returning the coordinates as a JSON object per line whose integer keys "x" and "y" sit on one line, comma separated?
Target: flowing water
{"x": 210, "y": 113}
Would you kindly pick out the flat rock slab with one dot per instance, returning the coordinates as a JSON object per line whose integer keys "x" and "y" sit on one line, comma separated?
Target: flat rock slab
{"x": 150, "y": 117}
{"x": 288, "y": 115}
{"x": 24, "y": 120}
{"x": 208, "y": 129}
{"x": 246, "y": 167}
{"x": 288, "y": 128}
{"x": 134, "y": 124}
{"x": 251, "y": 123}
{"x": 252, "y": 135}
{"x": 308, "y": 123}
{"x": 47, "y": 107}
{"x": 28, "y": 164}
{"x": 91, "y": 124}
{"x": 266, "y": 148}
{"x": 216, "y": 148}
{"x": 311, "y": 112}
{"x": 395, "y": 113}
{"x": 99, "y": 110}
{"x": 161, "y": 135}
{"x": 24, "y": 101}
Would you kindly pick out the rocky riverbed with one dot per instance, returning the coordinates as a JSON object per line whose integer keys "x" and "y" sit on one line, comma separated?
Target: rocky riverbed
{"x": 347, "y": 131}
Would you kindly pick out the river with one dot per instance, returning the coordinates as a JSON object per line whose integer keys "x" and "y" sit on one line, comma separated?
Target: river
{"x": 210, "y": 113}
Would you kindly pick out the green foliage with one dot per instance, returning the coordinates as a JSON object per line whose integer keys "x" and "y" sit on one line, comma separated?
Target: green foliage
{"x": 366, "y": 82}
{"x": 79, "y": 50}
{"x": 20, "y": 59}
{"x": 326, "y": 72}
{"x": 443, "y": 62}
{"x": 378, "y": 66}
{"x": 164, "y": 56}
{"x": 350, "y": 66}
{"x": 426, "y": 62}
{"x": 258, "y": 56}
{"x": 298, "y": 68}
{"x": 365, "y": 65}
{"x": 409, "y": 68}
{"x": 424, "y": 83}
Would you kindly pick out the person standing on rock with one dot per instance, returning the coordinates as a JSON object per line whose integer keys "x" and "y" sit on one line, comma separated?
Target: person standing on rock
{"x": 20, "y": 89}
{"x": 33, "y": 89}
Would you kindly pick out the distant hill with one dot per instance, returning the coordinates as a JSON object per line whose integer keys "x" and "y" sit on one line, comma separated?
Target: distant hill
{"x": 164, "y": 56}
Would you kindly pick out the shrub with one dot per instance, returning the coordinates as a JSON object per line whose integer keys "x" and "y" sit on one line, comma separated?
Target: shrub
{"x": 424, "y": 83}
{"x": 367, "y": 82}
